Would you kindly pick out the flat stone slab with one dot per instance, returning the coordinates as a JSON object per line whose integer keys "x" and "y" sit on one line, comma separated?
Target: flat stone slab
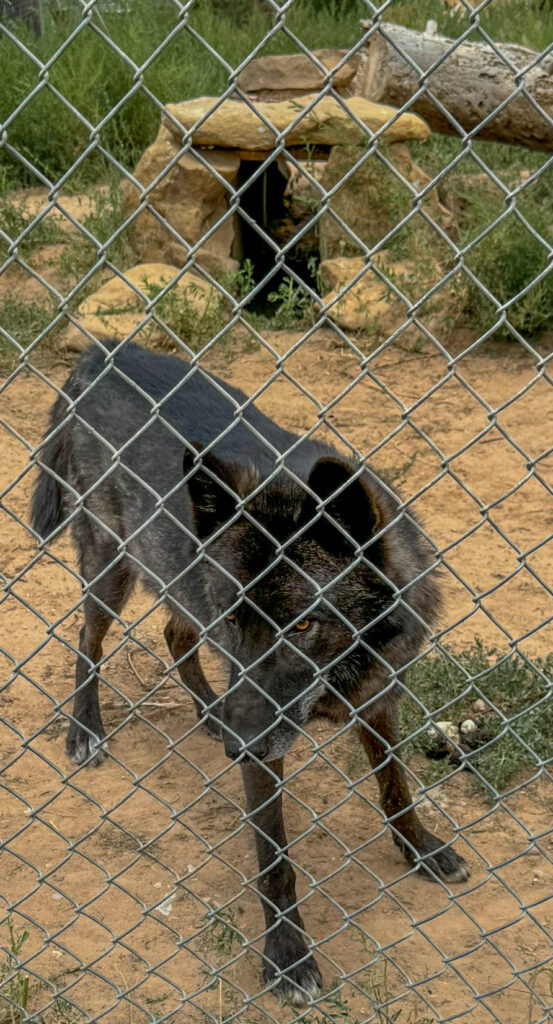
{"x": 297, "y": 72}
{"x": 310, "y": 119}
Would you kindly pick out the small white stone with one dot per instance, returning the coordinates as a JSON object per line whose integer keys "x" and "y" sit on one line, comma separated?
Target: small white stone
{"x": 468, "y": 727}
{"x": 449, "y": 729}
{"x": 166, "y": 907}
{"x": 480, "y": 706}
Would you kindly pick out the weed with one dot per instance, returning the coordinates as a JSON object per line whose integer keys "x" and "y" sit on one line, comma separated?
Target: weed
{"x": 240, "y": 283}
{"x": 62, "y": 1012}
{"x": 191, "y": 313}
{"x": 293, "y": 306}
{"x": 379, "y": 994}
{"x": 224, "y": 931}
{"x": 14, "y": 985}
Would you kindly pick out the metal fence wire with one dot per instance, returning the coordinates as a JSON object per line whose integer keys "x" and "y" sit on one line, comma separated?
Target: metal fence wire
{"x": 130, "y": 890}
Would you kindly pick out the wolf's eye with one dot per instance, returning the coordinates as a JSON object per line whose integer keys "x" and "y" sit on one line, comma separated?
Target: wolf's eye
{"x": 231, "y": 617}
{"x": 303, "y": 626}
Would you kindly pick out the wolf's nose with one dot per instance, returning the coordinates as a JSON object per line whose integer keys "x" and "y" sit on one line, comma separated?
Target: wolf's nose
{"x": 257, "y": 748}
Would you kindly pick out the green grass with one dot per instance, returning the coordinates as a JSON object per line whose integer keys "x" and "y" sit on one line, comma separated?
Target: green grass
{"x": 91, "y": 76}
{"x": 21, "y": 322}
{"x": 493, "y": 233}
{"x": 447, "y": 686}
{"x": 107, "y": 90}
{"x": 14, "y": 984}
{"x": 80, "y": 254}
{"x": 15, "y": 220}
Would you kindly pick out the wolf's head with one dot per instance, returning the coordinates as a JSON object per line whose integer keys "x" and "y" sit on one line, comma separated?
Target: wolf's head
{"x": 297, "y": 590}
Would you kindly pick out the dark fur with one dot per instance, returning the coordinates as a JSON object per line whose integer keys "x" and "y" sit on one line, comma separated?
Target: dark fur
{"x": 112, "y": 465}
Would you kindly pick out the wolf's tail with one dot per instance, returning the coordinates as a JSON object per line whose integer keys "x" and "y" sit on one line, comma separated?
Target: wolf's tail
{"x": 47, "y": 508}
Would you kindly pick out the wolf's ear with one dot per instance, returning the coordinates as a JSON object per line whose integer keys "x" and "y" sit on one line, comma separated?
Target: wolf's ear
{"x": 210, "y": 491}
{"x": 353, "y": 508}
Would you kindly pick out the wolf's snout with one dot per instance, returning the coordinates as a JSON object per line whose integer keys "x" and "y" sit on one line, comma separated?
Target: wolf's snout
{"x": 257, "y": 748}
{"x": 248, "y": 722}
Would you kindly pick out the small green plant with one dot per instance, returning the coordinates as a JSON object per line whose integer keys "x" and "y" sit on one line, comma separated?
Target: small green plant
{"x": 379, "y": 994}
{"x": 192, "y": 314}
{"x": 224, "y": 931}
{"x": 240, "y": 283}
{"x": 293, "y": 306}
{"x": 14, "y": 984}
{"x": 62, "y": 1012}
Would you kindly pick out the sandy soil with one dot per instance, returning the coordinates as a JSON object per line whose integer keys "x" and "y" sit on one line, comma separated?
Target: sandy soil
{"x": 113, "y": 871}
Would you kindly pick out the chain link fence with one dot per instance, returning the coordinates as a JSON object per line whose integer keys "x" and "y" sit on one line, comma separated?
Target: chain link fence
{"x": 390, "y": 320}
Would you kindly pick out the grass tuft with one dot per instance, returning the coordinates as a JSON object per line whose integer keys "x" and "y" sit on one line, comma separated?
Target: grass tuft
{"x": 14, "y": 983}
{"x": 519, "y": 722}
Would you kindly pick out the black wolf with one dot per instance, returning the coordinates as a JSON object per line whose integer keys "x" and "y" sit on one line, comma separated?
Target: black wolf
{"x": 295, "y": 562}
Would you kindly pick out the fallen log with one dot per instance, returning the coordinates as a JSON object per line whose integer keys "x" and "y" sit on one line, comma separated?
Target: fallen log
{"x": 471, "y": 81}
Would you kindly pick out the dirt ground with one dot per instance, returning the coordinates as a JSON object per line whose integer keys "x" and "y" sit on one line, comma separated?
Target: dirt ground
{"x": 113, "y": 871}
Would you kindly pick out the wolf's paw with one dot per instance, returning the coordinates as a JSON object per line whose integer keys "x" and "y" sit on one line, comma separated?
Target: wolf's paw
{"x": 86, "y": 744}
{"x": 436, "y": 860}
{"x": 295, "y": 982}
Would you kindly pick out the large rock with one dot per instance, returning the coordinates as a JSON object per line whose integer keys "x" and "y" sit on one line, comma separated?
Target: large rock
{"x": 373, "y": 199}
{"x": 292, "y": 74}
{"x": 189, "y": 197}
{"x": 255, "y": 128}
{"x": 369, "y": 303}
{"x": 119, "y": 306}
{"x": 369, "y": 202}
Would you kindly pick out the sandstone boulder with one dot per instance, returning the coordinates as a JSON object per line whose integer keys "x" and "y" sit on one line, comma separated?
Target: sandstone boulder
{"x": 367, "y": 303}
{"x": 232, "y": 125}
{"x": 372, "y": 200}
{"x": 119, "y": 306}
{"x": 189, "y": 198}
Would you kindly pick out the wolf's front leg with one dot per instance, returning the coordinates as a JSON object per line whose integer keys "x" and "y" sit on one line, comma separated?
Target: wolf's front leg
{"x": 379, "y": 730}
{"x": 287, "y": 958}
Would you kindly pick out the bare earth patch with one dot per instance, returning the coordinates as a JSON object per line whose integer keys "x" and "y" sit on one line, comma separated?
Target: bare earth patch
{"x": 113, "y": 871}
